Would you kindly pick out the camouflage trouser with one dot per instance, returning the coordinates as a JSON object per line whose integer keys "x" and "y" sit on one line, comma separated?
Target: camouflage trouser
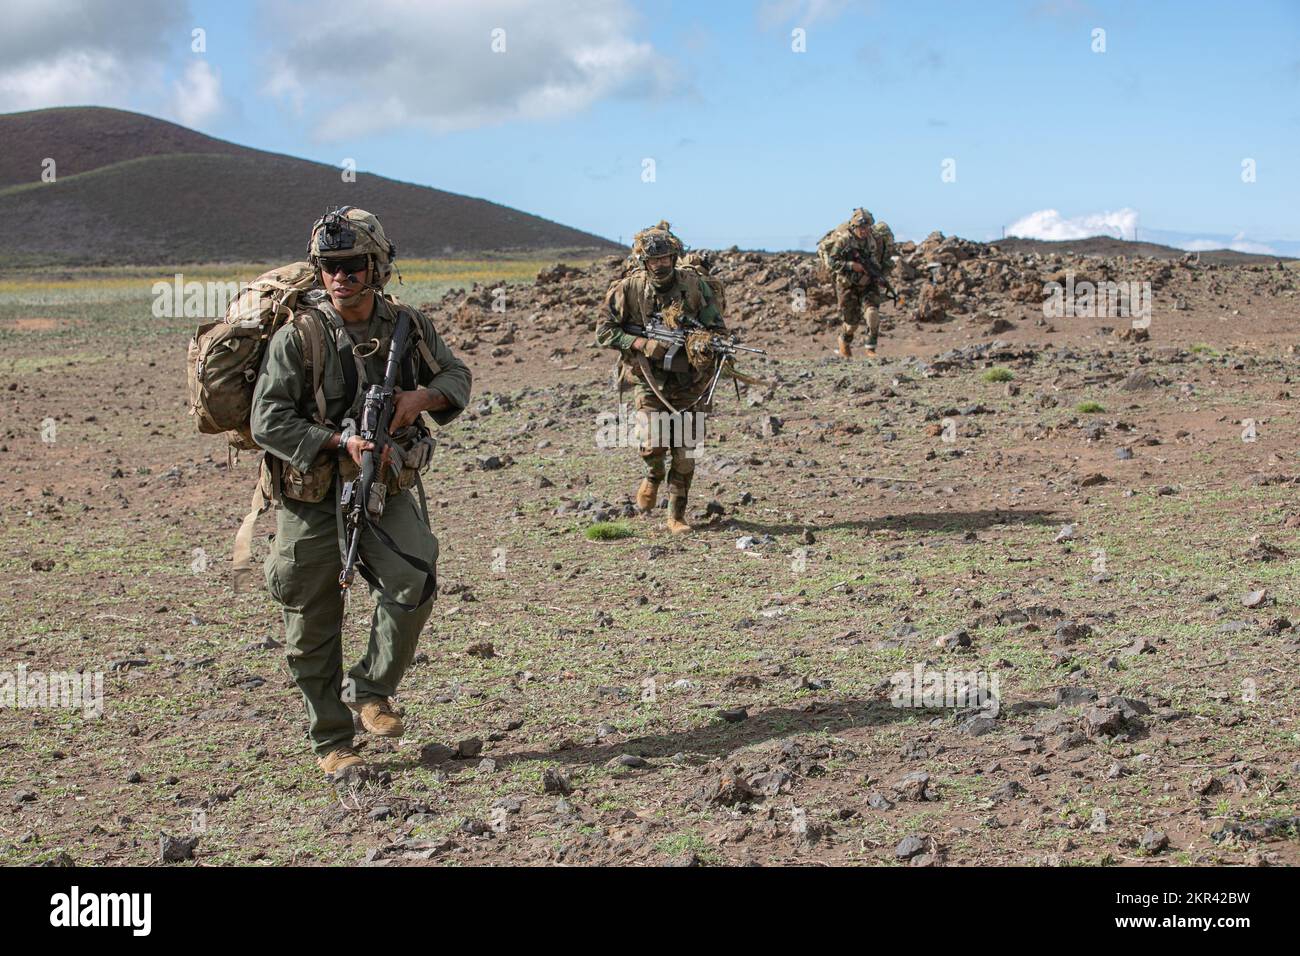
{"x": 857, "y": 302}
{"x": 671, "y": 436}
{"x": 302, "y": 574}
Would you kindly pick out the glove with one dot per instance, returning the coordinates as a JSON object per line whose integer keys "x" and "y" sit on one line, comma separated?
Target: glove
{"x": 650, "y": 348}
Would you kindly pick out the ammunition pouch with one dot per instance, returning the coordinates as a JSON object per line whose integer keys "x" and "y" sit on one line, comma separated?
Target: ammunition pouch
{"x": 313, "y": 484}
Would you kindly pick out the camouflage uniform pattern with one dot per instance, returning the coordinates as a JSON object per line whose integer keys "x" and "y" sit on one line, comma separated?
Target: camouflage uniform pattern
{"x": 633, "y": 300}
{"x": 857, "y": 294}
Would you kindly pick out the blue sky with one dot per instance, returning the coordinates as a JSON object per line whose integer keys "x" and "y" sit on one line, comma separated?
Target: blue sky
{"x": 754, "y": 143}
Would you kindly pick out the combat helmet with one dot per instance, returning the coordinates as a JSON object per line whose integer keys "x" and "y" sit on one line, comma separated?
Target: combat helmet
{"x": 657, "y": 240}
{"x": 861, "y": 218}
{"x": 348, "y": 231}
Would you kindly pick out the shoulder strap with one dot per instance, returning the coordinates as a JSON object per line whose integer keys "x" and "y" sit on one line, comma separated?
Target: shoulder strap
{"x": 313, "y": 344}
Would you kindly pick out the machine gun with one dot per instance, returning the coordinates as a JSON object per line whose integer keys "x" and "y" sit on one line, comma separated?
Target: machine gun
{"x": 723, "y": 349}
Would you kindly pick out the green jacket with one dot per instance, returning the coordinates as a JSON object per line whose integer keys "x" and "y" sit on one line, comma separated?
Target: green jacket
{"x": 284, "y": 408}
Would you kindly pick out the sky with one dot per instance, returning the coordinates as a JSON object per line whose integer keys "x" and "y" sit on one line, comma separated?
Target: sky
{"x": 757, "y": 124}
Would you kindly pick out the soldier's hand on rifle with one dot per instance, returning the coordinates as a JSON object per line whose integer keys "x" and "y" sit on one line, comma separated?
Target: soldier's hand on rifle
{"x": 857, "y": 267}
{"x": 358, "y": 446}
{"x": 650, "y": 348}
{"x": 407, "y": 407}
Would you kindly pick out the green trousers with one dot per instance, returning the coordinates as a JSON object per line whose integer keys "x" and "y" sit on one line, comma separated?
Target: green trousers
{"x": 302, "y": 574}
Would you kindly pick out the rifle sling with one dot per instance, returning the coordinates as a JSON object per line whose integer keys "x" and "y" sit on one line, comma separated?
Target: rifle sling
{"x": 430, "y": 573}
{"x": 644, "y": 365}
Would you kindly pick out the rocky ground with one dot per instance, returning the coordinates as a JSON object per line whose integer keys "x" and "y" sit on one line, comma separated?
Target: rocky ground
{"x": 1100, "y": 516}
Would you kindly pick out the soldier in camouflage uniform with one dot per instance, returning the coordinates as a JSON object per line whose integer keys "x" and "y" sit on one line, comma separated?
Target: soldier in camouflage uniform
{"x": 312, "y": 449}
{"x": 657, "y": 291}
{"x": 858, "y": 254}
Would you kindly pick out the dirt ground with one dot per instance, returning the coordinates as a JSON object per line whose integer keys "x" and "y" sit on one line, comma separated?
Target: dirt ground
{"x": 1090, "y": 520}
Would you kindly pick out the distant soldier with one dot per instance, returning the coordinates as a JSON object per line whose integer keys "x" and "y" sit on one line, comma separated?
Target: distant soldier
{"x": 657, "y": 292}
{"x": 312, "y": 448}
{"x": 859, "y": 256}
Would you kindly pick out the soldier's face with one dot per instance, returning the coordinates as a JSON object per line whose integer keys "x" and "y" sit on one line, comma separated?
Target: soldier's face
{"x": 342, "y": 282}
{"x": 860, "y": 231}
{"x": 659, "y": 266}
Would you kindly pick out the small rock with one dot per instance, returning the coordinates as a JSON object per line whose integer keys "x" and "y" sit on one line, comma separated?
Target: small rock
{"x": 176, "y": 849}
{"x": 469, "y": 748}
{"x": 952, "y": 641}
{"x": 909, "y": 847}
{"x": 1153, "y": 841}
{"x": 555, "y": 781}
{"x": 878, "y": 801}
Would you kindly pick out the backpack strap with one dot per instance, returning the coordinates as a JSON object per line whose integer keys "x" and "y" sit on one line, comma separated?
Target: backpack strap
{"x": 425, "y": 353}
{"x": 313, "y": 343}
{"x": 242, "y": 556}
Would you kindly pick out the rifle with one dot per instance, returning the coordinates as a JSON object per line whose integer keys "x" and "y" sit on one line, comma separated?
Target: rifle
{"x": 855, "y": 255}
{"x": 362, "y": 499}
{"x": 675, "y": 339}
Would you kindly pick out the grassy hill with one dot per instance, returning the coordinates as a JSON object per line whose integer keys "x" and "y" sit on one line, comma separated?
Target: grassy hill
{"x": 134, "y": 189}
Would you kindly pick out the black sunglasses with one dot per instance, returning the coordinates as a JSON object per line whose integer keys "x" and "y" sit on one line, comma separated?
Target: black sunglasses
{"x": 352, "y": 264}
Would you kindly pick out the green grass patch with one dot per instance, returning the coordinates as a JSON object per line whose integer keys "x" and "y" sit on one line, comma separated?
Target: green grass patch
{"x": 1089, "y": 408}
{"x": 609, "y": 531}
{"x": 998, "y": 375}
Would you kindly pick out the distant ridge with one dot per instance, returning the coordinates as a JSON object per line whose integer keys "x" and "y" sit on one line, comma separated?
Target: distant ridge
{"x": 133, "y": 189}
{"x": 1110, "y": 246}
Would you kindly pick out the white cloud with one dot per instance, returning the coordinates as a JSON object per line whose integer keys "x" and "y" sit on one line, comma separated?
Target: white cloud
{"x": 79, "y": 52}
{"x": 196, "y": 96}
{"x": 74, "y": 78}
{"x": 432, "y": 65}
{"x": 1051, "y": 225}
{"x": 1239, "y": 243}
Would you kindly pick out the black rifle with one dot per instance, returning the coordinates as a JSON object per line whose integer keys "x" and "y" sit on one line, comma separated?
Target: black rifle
{"x": 362, "y": 499}
{"x": 855, "y": 255}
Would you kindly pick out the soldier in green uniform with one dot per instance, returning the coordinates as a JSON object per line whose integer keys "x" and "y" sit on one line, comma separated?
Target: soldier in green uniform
{"x": 670, "y": 402}
{"x": 312, "y": 449}
{"x": 858, "y": 254}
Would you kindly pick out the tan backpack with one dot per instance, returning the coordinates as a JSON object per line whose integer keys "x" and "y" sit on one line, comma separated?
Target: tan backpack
{"x": 225, "y": 357}
{"x": 225, "y": 360}
{"x": 824, "y": 247}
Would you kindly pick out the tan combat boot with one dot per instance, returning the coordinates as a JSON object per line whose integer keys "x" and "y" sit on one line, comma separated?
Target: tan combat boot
{"x": 869, "y": 349}
{"x": 845, "y": 351}
{"x": 340, "y": 759}
{"x": 647, "y": 495}
{"x": 378, "y": 718}
{"x": 677, "y": 515}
